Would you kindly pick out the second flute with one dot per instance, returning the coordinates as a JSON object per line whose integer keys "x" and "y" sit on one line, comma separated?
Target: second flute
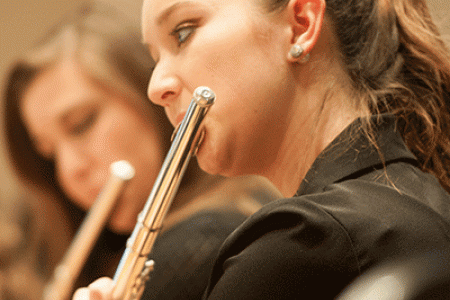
{"x": 73, "y": 261}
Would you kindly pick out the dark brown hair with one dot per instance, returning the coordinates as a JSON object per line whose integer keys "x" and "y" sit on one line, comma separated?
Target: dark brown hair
{"x": 398, "y": 63}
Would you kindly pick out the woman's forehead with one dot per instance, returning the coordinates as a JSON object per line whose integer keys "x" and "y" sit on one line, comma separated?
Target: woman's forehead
{"x": 156, "y": 12}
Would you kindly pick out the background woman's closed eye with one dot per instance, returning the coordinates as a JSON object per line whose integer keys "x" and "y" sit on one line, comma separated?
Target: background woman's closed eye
{"x": 83, "y": 124}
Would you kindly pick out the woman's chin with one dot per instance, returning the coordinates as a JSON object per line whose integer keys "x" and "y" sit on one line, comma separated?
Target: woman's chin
{"x": 120, "y": 226}
{"x": 213, "y": 162}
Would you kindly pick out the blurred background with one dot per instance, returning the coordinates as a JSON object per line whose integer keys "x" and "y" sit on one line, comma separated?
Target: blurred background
{"x": 27, "y": 253}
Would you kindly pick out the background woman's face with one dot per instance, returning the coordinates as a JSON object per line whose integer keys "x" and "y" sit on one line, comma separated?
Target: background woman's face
{"x": 84, "y": 127}
{"x": 240, "y": 53}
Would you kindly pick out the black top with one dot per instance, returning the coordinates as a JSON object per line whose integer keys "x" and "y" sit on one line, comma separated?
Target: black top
{"x": 352, "y": 212}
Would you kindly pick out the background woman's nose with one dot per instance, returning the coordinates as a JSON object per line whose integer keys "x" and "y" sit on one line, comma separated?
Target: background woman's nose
{"x": 71, "y": 163}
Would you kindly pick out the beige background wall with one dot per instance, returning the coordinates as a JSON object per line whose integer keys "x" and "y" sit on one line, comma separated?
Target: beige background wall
{"x": 22, "y": 21}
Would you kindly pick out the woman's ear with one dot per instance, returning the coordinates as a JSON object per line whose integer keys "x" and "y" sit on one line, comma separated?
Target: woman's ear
{"x": 306, "y": 19}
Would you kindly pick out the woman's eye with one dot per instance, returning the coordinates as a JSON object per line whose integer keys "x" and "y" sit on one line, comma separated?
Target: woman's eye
{"x": 84, "y": 125}
{"x": 183, "y": 32}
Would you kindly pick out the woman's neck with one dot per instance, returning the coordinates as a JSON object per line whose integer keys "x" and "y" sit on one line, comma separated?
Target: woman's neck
{"x": 310, "y": 132}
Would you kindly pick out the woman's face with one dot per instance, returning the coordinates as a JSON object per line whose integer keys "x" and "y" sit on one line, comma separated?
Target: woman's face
{"x": 83, "y": 128}
{"x": 240, "y": 52}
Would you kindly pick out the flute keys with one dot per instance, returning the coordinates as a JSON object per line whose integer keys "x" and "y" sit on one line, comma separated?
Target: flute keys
{"x": 148, "y": 268}
{"x": 139, "y": 285}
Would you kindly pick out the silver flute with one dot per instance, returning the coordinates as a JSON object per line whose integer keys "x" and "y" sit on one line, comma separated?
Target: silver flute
{"x": 65, "y": 274}
{"x": 134, "y": 268}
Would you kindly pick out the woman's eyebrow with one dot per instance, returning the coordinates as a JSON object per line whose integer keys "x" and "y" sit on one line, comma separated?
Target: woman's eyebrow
{"x": 165, "y": 14}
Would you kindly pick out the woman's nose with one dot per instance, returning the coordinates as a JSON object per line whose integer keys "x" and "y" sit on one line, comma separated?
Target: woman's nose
{"x": 164, "y": 87}
{"x": 72, "y": 164}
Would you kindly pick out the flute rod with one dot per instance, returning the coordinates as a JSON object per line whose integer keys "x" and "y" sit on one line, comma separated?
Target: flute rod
{"x": 134, "y": 268}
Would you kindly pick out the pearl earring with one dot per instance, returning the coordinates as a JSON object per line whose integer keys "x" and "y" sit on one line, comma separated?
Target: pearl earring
{"x": 297, "y": 51}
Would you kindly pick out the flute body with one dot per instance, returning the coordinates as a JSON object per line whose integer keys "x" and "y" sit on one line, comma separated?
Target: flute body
{"x": 134, "y": 268}
{"x": 73, "y": 261}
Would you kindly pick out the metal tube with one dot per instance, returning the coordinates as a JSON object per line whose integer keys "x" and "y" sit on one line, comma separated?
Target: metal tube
{"x": 134, "y": 268}
{"x": 73, "y": 261}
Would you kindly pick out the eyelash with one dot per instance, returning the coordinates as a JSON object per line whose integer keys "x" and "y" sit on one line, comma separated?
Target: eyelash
{"x": 176, "y": 32}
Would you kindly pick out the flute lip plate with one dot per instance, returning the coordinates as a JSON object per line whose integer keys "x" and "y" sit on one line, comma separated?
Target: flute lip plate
{"x": 123, "y": 169}
{"x": 204, "y": 96}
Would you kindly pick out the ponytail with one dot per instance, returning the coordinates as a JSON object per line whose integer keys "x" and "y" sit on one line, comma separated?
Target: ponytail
{"x": 399, "y": 64}
{"x": 424, "y": 108}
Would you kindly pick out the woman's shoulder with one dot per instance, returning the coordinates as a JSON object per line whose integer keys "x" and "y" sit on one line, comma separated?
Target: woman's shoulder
{"x": 291, "y": 244}
{"x": 336, "y": 233}
{"x": 414, "y": 203}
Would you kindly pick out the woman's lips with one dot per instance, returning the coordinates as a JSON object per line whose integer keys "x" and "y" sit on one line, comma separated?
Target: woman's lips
{"x": 94, "y": 194}
{"x": 177, "y": 124}
{"x": 179, "y": 118}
